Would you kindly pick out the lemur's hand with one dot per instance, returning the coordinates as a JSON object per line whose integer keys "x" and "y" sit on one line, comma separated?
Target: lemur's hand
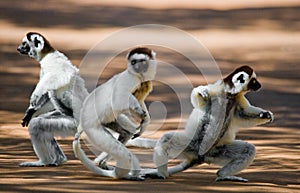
{"x": 203, "y": 91}
{"x": 141, "y": 129}
{"x": 27, "y": 117}
{"x": 267, "y": 115}
{"x": 200, "y": 159}
{"x": 136, "y": 135}
{"x": 140, "y": 112}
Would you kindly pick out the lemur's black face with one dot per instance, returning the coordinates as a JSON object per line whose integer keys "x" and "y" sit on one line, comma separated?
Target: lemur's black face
{"x": 254, "y": 84}
{"x": 24, "y": 48}
{"x": 142, "y": 62}
{"x": 35, "y": 46}
{"x": 31, "y": 44}
{"x": 139, "y": 62}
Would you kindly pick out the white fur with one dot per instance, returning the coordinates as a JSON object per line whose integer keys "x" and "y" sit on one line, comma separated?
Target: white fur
{"x": 113, "y": 102}
{"x": 139, "y": 56}
{"x": 238, "y": 86}
{"x": 61, "y": 83}
{"x": 213, "y": 147}
{"x": 41, "y": 44}
{"x": 151, "y": 72}
{"x": 56, "y": 73}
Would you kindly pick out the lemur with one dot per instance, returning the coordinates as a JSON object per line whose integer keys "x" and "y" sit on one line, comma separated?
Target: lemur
{"x": 115, "y": 105}
{"x": 55, "y": 102}
{"x": 220, "y": 109}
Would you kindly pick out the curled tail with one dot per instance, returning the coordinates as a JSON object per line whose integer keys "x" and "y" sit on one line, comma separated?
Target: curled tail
{"x": 142, "y": 142}
{"x": 79, "y": 153}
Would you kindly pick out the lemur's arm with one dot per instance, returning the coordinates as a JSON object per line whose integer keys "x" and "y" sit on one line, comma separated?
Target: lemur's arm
{"x": 145, "y": 121}
{"x": 47, "y": 97}
{"x": 251, "y": 116}
{"x": 211, "y": 100}
{"x": 33, "y": 108}
{"x": 215, "y": 114}
{"x": 199, "y": 97}
{"x": 123, "y": 118}
{"x": 44, "y": 91}
{"x": 141, "y": 94}
{"x": 49, "y": 81}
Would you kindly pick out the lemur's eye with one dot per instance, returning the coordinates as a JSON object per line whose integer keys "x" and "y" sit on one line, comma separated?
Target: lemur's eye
{"x": 253, "y": 81}
{"x": 133, "y": 62}
{"x": 144, "y": 62}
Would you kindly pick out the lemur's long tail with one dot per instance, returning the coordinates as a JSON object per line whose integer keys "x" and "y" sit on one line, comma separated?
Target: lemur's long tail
{"x": 79, "y": 153}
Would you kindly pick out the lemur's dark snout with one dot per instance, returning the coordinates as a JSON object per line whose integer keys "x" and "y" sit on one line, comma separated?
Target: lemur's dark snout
{"x": 254, "y": 85}
{"x": 19, "y": 49}
{"x": 23, "y": 49}
{"x": 140, "y": 66}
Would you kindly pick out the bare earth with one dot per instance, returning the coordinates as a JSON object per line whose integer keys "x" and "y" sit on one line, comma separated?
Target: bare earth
{"x": 263, "y": 35}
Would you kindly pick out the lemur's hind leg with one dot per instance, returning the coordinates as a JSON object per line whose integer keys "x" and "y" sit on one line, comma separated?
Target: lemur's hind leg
{"x": 126, "y": 161}
{"x": 170, "y": 145}
{"x": 165, "y": 148}
{"x": 42, "y": 130}
{"x": 182, "y": 166}
{"x": 234, "y": 157}
{"x": 123, "y": 137}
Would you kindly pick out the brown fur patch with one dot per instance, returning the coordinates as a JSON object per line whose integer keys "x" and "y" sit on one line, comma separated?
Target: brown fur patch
{"x": 47, "y": 46}
{"x": 141, "y": 50}
{"x": 143, "y": 91}
{"x": 228, "y": 80}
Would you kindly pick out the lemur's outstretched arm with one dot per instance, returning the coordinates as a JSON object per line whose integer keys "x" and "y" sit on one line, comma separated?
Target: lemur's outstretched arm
{"x": 250, "y": 116}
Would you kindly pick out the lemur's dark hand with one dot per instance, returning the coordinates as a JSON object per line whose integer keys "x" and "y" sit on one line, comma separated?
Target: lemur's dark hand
{"x": 140, "y": 112}
{"x": 136, "y": 135}
{"x": 266, "y": 115}
{"x": 141, "y": 128}
{"x": 200, "y": 159}
{"x": 27, "y": 117}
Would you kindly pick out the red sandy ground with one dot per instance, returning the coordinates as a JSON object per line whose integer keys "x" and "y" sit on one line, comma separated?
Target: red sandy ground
{"x": 264, "y": 36}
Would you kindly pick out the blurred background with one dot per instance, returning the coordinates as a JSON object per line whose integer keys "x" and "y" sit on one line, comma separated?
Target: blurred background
{"x": 261, "y": 34}
{"x": 264, "y": 35}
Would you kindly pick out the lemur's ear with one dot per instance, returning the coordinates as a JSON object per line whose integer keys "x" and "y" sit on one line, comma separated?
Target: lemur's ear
{"x": 153, "y": 54}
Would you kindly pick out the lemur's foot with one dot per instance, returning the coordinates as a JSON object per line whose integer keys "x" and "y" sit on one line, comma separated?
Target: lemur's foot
{"x": 39, "y": 163}
{"x": 103, "y": 165}
{"x": 154, "y": 176}
{"x": 134, "y": 178}
{"x": 231, "y": 178}
{"x": 77, "y": 136}
{"x": 32, "y": 164}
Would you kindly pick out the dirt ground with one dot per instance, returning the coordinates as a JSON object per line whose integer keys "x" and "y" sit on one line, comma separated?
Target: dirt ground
{"x": 263, "y": 35}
